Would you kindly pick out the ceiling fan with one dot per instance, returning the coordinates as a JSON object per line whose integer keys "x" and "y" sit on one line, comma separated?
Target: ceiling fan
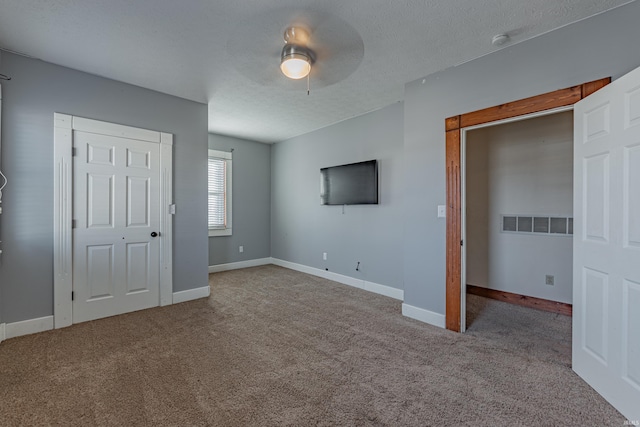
{"x": 316, "y": 44}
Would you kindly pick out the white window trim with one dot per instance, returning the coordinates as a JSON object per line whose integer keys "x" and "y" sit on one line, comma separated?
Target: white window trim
{"x": 227, "y": 231}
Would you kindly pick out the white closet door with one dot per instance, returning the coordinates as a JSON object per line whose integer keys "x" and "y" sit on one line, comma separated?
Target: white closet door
{"x": 116, "y": 214}
{"x": 606, "y": 267}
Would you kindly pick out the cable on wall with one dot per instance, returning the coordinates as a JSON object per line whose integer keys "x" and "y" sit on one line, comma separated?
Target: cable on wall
{"x": 4, "y": 184}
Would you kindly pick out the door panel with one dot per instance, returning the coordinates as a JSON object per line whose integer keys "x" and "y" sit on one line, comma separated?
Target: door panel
{"x": 100, "y": 204}
{"x": 138, "y": 159}
{"x": 138, "y": 199}
{"x": 606, "y": 320}
{"x": 100, "y": 155}
{"x": 632, "y": 108}
{"x": 596, "y": 198}
{"x": 137, "y": 266}
{"x": 116, "y": 207}
{"x": 100, "y": 271}
{"x": 631, "y": 194}
{"x": 596, "y": 123}
{"x": 596, "y": 305}
{"x": 631, "y": 317}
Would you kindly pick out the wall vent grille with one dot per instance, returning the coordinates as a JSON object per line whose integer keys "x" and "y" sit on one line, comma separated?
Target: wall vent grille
{"x": 558, "y": 225}
{"x": 536, "y": 224}
{"x": 541, "y": 224}
{"x": 509, "y": 223}
{"x": 525, "y": 224}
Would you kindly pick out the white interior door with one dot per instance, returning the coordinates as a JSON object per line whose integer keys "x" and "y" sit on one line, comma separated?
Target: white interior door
{"x": 606, "y": 266}
{"x": 116, "y": 249}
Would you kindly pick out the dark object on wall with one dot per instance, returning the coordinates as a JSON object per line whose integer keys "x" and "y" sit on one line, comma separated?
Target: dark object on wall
{"x": 352, "y": 184}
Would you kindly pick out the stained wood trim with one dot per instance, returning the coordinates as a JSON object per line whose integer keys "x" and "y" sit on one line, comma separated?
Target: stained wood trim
{"x": 523, "y": 300}
{"x": 559, "y": 98}
{"x": 452, "y": 123}
{"x": 454, "y": 229}
{"x": 453, "y": 126}
{"x": 589, "y": 88}
{"x": 534, "y": 104}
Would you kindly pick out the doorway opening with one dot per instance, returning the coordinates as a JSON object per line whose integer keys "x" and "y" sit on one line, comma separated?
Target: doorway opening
{"x": 517, "y": 194}
{"x": 454, "y": 126}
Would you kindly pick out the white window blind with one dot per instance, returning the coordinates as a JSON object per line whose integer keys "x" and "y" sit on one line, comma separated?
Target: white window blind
{"x": 217, "y": 211}
{"x": 219, "y": 183}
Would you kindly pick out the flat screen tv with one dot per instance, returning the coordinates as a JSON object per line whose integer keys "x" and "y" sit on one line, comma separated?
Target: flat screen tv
{"x": 352, "y": 184}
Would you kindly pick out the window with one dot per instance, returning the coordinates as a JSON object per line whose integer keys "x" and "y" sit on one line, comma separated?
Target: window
{"x": 219, "y": 179}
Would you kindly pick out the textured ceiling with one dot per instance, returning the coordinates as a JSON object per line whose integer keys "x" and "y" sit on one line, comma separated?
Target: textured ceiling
{"x": 226, "y": 53}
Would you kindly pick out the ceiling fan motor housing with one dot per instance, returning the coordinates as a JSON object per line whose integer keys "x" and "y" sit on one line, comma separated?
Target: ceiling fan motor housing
{"x": 296, "y": 52}
{"x": 296, "y": 58}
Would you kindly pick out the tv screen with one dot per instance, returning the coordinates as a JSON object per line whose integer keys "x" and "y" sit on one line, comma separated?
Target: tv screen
{"x": 352, "y": 184}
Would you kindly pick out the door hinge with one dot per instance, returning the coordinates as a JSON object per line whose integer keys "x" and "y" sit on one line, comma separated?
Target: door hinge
{"x": 73, "y": 151}
{"x": 461, "y": 242}
{"x": 73, "y": 223}
{"x": 73, "y": 295}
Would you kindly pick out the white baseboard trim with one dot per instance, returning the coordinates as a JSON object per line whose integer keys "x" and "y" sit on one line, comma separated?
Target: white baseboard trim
{"x": 191, "y": 294}
{"x": 426, "y": 316}
{"x": 329, "y": 275}
{"x": 240, "y": 264}
{"x": 26, "y": 327}
{"x": 2, "y": 335}
{"x": 387, "y": 291}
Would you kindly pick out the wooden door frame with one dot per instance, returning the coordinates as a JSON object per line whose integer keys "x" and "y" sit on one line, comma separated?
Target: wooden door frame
{"x": 64, "y": 125}
{"x": 453, "y": 132}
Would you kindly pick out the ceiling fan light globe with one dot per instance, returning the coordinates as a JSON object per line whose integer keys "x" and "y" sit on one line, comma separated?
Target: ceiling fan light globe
{"x": 295, "y": 66}
{"x": 295, "y": 61}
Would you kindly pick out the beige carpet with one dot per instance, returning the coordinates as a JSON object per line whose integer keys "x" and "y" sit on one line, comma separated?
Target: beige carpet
{"x": 538, "y": 334}
{"x": 276, "y": 347}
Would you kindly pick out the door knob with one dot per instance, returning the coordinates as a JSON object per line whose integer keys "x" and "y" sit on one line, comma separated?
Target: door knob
{"x": 154, "y": 234}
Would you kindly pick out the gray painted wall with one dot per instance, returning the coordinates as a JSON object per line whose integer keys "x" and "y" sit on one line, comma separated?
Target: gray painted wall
{"x": 524, "y": 167}
{"x": 604, "y": 45}
{"x": 302, "y": 229}
{"x": 251, "y": 208}
{"x": 36, "y": 91}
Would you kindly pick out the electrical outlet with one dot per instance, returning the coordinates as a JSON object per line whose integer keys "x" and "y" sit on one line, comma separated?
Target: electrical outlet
{"x": 442, "y": 211}
{"x": 548, "y": 280}
{"x": 241, "y": 249}
{"x": 324, "y": 256}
